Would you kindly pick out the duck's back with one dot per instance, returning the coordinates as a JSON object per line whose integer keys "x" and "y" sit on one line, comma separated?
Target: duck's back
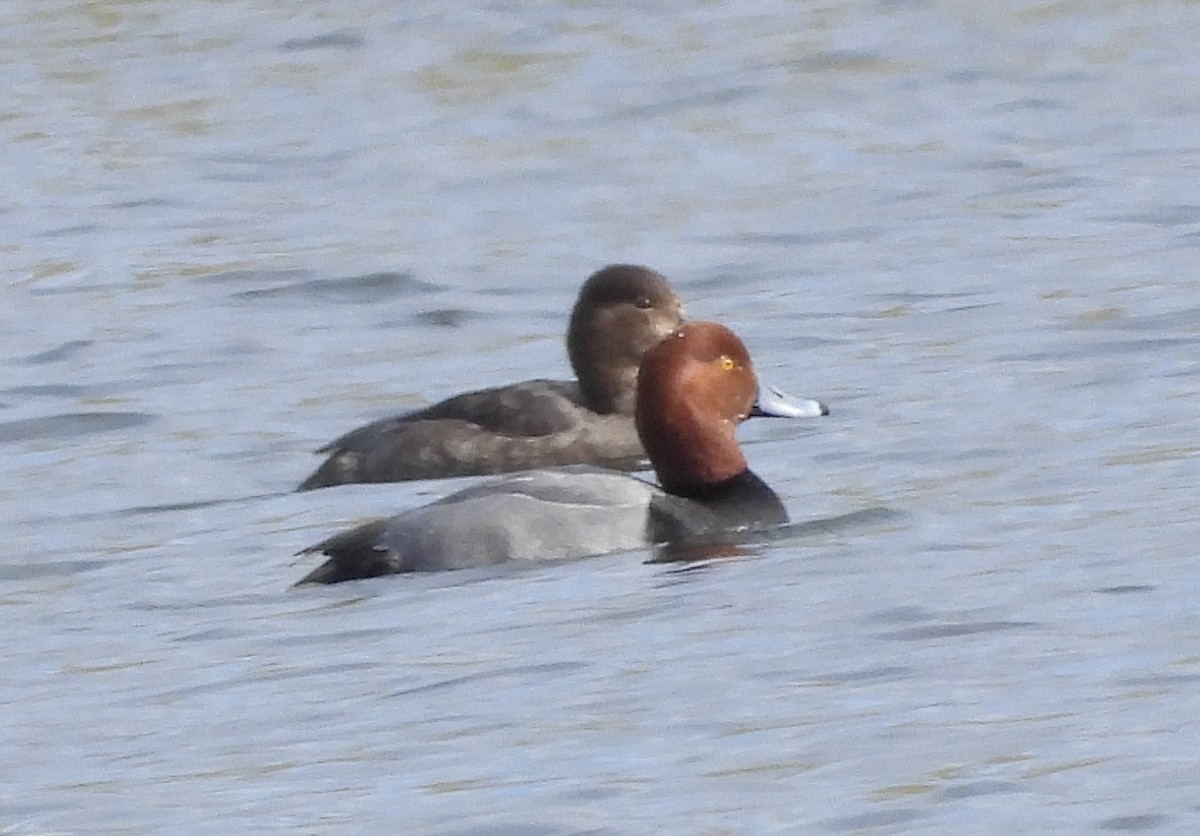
{"x": 540, "y": 515}
{"x": 531, "y": 408}
{"x": 538, "y": 423}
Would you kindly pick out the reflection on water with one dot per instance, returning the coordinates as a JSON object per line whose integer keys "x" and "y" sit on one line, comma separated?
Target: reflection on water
{"x": 235, "y": 228}
{"x": 63, "y": 427}
{"x": 735, "y": 544}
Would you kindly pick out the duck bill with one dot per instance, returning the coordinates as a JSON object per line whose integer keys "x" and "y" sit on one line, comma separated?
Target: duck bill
{"x": 773, "y": 403}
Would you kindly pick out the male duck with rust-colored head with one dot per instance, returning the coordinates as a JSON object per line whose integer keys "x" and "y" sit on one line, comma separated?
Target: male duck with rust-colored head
{"x": 693, "y": 389}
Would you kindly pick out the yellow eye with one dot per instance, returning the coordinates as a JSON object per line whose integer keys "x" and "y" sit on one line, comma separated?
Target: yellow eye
{"x": 727, "y": 363}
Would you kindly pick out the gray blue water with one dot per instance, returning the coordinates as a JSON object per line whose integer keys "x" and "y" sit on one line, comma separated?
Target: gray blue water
{"x": 233, "y": 229}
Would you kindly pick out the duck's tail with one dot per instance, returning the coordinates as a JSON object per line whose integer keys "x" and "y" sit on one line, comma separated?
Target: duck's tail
{"x": 341, "y": 468}
{"x": 358, "y": 553}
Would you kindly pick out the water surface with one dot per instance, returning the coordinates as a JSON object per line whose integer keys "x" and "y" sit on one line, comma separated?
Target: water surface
{"x": 236, "y": 229}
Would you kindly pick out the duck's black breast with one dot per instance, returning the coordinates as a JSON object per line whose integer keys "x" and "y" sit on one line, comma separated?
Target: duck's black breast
{"x": 741, "y": 503}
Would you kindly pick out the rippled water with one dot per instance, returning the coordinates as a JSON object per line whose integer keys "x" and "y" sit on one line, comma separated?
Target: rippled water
{"x": 235, "y": 229}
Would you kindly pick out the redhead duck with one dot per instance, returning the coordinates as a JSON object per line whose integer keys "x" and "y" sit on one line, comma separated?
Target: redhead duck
{"x": 693, "y": 389}
{"x": 622, "y": 310}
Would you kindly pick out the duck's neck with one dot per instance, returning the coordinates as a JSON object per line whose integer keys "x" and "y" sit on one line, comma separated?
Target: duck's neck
{"x": 693, "y": 457}
{"x": 609, "y": 391}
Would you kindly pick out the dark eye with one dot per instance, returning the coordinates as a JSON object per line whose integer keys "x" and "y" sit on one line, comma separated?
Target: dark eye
{"x": 644, "y": 302}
